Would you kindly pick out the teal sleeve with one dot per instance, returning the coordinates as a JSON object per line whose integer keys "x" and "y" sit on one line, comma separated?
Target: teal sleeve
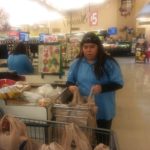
{"x": 72, "y": 72}
{"x": 114, "y": 72}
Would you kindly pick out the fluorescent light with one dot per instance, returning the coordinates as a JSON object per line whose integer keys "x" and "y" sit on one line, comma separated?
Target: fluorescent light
{"x": 72, "y": 4}
{"x": 67, "y": 4}
{"x": 27, "y": 12}
{"x": 144, "y": 13}
{"x": 143, "y": 19}
{"x": 97, "y": 1}
{"x": 31, "y": 12}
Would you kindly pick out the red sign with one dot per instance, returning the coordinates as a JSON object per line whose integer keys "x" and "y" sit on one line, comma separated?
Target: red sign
{"x": 14, "y": 35}
{"x": 93, "y": 18}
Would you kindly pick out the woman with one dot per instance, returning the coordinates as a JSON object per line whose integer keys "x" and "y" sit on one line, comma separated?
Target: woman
{"x": 18, "y": 60}
{"x": 95, "y": 70}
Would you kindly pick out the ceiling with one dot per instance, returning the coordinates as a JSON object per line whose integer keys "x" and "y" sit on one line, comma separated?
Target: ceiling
{"x": 21, "y": 12}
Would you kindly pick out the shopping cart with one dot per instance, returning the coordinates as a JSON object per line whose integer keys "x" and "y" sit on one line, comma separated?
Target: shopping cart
{"x": 50, "y": 131}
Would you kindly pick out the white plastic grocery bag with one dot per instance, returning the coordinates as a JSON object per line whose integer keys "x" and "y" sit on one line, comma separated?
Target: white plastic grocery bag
{"x": 12, "y": 133}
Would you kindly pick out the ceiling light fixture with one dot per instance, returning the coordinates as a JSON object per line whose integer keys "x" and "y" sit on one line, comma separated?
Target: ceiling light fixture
{"x": 66, "y": 5}
{"x": 144, "y": 13}
{"x": 34, "y": 13}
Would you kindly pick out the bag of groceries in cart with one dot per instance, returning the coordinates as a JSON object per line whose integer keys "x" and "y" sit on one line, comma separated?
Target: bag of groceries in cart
{"x": 80, "y": 110}
{"x": 14, "y": 136}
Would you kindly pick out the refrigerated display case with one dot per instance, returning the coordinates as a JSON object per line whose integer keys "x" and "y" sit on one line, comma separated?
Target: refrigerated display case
{"x": 140, "y": 49}
{"x": 118, "y": 48}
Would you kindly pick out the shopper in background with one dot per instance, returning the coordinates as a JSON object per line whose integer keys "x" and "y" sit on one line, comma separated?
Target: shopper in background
{"x": 147, "y": 54}
{"x": 95, "y": 70}
{"x": 19, "y": 61}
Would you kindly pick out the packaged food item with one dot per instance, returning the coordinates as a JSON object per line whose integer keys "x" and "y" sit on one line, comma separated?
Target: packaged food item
{"x": 9, "y": 92}
{"x": 6, "y": 82}
{"x": 22, "y": 86}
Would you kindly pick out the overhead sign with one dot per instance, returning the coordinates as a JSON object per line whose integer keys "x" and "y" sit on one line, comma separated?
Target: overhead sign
{"x": 112, "y": 30}
{"x": 93, "y": 20}
{"x": 41, "y": 37}
{"x": 13, "y": 35}
{"x": 24, "y": 36}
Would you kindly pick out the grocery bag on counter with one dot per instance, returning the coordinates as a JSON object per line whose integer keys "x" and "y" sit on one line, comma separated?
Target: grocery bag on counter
{"x": 31, "y": 97}
{"x": 48, "y": 91}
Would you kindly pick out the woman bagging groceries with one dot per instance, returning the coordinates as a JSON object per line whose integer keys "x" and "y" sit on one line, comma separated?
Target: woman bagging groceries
{"x": 94, "y": 70}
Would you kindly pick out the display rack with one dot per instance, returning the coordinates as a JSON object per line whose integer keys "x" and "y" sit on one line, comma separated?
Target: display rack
{"x": 50, "y": 59}
{"x": 118, "y": 48}
{"x": 140, "y": 51}
{"x": 139, "y": 55}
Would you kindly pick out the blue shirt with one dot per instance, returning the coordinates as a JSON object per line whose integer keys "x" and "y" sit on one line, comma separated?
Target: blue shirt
{"x": 20, "y": 63}
{"x": 83, "y": 76}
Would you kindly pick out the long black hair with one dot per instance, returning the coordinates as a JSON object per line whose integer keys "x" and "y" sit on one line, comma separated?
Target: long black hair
{"x": 20, "y": 49}
{"x": 99, "y": 68}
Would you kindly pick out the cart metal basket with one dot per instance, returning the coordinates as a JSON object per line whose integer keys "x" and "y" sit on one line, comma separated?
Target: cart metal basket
{"x": 65, "y": 113}
{"x": 50, "y": 131}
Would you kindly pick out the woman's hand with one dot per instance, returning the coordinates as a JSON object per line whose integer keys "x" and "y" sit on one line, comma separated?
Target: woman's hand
{"x": 96, "y": 89}
{"x": 72, "y": 88}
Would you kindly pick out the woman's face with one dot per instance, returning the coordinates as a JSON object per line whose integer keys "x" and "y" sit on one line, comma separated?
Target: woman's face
{"x": 90, "y": 51}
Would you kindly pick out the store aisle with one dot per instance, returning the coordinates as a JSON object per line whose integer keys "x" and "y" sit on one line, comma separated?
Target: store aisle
{"x": 132, "y": 122}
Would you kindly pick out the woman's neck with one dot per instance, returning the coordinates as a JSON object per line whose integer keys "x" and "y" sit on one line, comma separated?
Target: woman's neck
{"x": 91, "y": 61}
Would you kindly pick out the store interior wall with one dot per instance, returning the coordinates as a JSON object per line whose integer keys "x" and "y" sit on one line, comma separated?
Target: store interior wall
{"x": 108, "y": 16}
{"x": 105, "y": 18}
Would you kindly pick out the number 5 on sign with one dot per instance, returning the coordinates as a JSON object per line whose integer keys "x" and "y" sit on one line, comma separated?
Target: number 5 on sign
{"x": 93, "y": 18}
